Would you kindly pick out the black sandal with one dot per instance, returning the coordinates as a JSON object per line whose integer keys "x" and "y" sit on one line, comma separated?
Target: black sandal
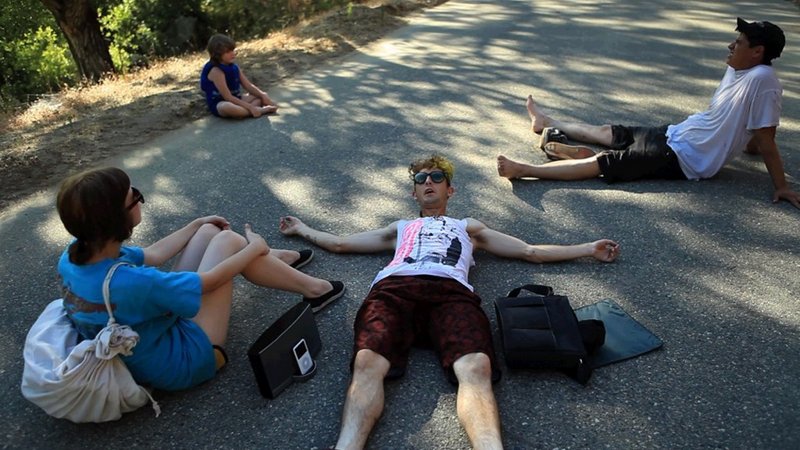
{"x": 305, "y": 257}
{"x": 551, "y": 135}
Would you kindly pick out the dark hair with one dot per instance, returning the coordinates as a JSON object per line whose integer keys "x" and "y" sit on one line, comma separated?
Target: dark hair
{"x": 218, "y": 45}
{"x": 91, "y": 206}
{"x": 763, "y": 33}
{"x": 434, "y": 161}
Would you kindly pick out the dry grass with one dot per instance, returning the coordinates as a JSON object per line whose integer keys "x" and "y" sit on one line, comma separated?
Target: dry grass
{"x": 81, "y": 126}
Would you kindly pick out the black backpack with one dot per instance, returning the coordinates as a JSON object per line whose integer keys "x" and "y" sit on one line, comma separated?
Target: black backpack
{"x": 541, "y": 331}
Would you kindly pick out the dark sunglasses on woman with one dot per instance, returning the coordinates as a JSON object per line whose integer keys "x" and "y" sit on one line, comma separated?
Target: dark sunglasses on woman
{"x": 137, "y": 197}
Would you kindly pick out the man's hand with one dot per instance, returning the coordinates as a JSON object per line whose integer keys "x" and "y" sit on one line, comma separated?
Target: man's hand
{"x": 290, "y": 225}
{"x": 788, "y": 195}
{"x": 605, "y": 250}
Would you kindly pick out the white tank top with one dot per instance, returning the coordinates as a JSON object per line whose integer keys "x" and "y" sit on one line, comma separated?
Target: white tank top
{"x": 438, "y": 246}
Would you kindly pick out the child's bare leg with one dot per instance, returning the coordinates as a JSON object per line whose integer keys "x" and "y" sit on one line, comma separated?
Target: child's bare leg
{"x": 232, "y": 110}
{"x": 591, "y": 134}
{"x": 252, "y": 99}
{"x": 266, "y": 107}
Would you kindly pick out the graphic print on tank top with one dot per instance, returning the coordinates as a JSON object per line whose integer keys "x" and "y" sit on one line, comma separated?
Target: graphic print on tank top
{"x": 429, "y": 240}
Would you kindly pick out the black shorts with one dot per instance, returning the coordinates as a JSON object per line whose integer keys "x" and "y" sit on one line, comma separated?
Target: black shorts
{"x": 426, "y": 311}
{"x": 639, "y": 152}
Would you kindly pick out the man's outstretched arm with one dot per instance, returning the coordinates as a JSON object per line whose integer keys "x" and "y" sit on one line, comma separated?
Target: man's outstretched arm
{"x": 366, "y": 242}
{"x": 501, "y": 244}
{"x": 764, "y": 139}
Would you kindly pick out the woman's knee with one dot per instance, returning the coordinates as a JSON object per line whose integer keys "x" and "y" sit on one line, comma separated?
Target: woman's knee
{"x": 473, "y": 367}
{"x": 208, "y": 229}
{"x": 229, "y": 239}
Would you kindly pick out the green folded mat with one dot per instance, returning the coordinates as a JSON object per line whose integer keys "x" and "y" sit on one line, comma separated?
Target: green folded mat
{"x": 625, "y": 337}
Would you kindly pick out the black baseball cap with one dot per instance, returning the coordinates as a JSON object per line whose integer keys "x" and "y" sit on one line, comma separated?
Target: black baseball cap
{"x": 763, "y": 33}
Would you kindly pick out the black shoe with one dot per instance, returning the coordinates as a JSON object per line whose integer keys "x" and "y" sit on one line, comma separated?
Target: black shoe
{"x": 551, "y": 135}
{"x": 305, "y": 257}
{"x": 317, "y": 303}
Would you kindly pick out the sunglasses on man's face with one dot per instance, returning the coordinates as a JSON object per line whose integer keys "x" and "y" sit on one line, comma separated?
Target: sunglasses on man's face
{"x": 422, "y": 177}
{"x": 137, "y": 197}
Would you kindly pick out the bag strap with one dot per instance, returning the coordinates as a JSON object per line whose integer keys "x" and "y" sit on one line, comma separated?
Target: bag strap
{"x": 107, "y": 289}
{"x": 535, "y": 288}
{"x": 112, "y": 320}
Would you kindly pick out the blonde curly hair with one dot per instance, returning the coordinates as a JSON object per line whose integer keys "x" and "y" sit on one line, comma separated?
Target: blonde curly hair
{"x": 435, "y": 161}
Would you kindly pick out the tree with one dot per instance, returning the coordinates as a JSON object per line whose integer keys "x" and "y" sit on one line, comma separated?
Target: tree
{"x": 78, "y": 21}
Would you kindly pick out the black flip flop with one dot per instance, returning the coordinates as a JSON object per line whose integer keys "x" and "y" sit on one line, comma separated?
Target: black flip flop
{"x": 305, "y": 257}
{"x": 551, "y": 135}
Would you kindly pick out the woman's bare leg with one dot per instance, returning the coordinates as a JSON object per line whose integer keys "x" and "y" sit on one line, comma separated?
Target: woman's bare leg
{"x": 208, "y": 247}
{"x": 190, "y": 257}
{"x": 215, "y": 308}
{"x": 271, "y": 272}
{"x": 590, "y": 134}
{"x": 287, "y": 256}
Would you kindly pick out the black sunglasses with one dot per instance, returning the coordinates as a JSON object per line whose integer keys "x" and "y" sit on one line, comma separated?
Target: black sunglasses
{"x": 422, "y": 177}
{"x": 137, "y": 198}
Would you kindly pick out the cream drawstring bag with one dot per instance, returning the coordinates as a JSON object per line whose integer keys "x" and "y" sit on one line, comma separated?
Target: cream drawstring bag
{"x": 81, "y": 381}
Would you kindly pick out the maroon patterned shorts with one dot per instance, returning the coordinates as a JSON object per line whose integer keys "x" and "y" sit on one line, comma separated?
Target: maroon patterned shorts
{"x": 426, "y": 311}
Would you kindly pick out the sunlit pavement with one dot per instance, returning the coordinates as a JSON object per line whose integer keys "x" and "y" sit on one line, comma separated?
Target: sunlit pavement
{"x": 711, "y": 267}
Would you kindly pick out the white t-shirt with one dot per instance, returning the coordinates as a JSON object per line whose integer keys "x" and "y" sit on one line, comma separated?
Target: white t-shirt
{"x": 438, "y": 246}
{"x": 745, "y": 100}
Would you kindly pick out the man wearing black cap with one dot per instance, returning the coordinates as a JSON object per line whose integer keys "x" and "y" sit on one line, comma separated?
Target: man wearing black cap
{"x": 743, "y": 115}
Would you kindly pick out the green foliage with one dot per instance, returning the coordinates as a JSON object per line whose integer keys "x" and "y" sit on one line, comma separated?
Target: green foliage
{"x": 244, "y": 19}
{"x": 131, "y": 38}
{"x": 39, "y": 62}
{"x": 146, "y": 28}
{"x": 18, "y": 17}
{"x": 48, "y": 57}
{"x": 27, "y": 38}
{"x": 35, "y": 58}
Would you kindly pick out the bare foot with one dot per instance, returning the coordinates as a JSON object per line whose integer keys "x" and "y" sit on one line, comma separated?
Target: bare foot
{"x": 508, "y": 168}
{"x": 539, "y": 120}
{"x": 557, "y": 151}
{"x": 269, "y": 109}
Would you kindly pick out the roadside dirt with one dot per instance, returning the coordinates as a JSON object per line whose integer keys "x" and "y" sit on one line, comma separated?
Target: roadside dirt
{"x": 75, "y": 129}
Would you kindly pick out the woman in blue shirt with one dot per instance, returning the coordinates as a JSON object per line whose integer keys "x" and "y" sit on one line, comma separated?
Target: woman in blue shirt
{"x": 181, "y": 316}
{"x": 222, "y": 81}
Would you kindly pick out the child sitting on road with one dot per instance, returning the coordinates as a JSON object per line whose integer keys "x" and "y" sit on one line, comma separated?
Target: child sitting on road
{"x": 222, "y": 80}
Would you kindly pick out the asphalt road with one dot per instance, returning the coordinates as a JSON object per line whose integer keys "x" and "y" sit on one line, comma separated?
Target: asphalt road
{"x": 711, "y": 267}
